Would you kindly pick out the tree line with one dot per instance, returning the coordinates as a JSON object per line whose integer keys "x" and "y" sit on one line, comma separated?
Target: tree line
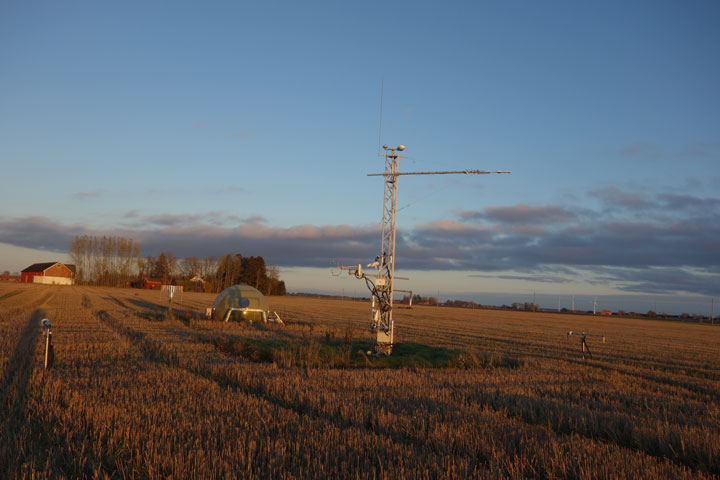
{"x": 116, "y": 262}
{"x": 213, "y": 275}
{"x": 109, "y": 261}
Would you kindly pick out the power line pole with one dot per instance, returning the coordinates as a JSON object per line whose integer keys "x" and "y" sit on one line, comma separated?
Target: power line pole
{"x": 382, "y": 287}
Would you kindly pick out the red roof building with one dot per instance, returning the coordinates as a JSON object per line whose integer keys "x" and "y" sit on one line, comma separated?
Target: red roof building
{"x": 51, "y": 273}
{"x": 150, "y": 283}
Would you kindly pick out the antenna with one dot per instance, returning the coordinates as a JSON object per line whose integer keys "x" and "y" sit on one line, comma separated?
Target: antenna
{"x": 595, "y": 306}
{"x": 381, "y": 288}
{"x": 382, "y": 91}
{"x": 583, "y": 343}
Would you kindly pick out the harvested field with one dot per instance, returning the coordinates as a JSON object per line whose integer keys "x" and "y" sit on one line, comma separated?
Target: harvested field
{"x": 136, "y": 393}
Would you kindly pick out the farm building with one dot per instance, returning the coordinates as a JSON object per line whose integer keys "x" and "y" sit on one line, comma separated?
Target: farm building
{"x": 51, "y": 273}
{"x": 240, "y": 302}
{"x": 149, "y": 283}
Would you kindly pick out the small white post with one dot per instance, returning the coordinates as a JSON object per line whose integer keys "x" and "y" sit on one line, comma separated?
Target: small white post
{"x": 49, "y": 352}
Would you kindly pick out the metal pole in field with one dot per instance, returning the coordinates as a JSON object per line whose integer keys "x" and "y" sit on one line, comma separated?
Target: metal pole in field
{"x": 48, "y": 348}
{"x": 49, "y": 352}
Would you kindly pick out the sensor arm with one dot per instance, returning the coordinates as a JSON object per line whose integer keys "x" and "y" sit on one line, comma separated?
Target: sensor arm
{"x": 449, "y": 172}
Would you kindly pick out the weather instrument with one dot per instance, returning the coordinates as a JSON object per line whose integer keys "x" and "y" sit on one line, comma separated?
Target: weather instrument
{"x": 583, "y": 342}
{"x": 381, "y": 288}
{"x": 49, "y": 351}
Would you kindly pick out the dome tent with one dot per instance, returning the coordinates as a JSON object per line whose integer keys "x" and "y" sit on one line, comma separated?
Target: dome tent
{"x": 240, "y": 302}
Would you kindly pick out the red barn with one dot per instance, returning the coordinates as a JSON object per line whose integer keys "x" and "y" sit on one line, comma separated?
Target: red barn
{"x": 150, "y": 283}
{"x": 50, "y": 273}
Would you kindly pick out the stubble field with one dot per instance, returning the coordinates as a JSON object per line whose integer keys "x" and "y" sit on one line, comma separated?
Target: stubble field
{"x": 135, "y": 393}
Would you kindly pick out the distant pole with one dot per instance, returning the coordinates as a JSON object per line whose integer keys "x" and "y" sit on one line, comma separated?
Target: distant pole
{"x": 712, "y": 311}
{"x": 573, "y": 303}
{"x": 558, "y": 303}
{"x": 534, "y": 304}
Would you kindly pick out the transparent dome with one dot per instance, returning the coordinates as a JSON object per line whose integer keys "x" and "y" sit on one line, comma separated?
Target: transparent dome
{"x": 241, "y": 297}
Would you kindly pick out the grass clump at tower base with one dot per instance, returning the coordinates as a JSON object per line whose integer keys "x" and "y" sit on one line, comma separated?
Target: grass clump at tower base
{"x": 356, "y": 354}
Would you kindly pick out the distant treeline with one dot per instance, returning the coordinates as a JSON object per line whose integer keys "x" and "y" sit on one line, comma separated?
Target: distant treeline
{"x": 213, "y": 275}
{"x": 116, "y": 262}
{"x": 110, "y": 261}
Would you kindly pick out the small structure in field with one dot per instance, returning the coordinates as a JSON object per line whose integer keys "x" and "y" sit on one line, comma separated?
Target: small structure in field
{"x": 241, "y": 302}
{"x": 149, "y": 283}
{"x": 50, "y": 273}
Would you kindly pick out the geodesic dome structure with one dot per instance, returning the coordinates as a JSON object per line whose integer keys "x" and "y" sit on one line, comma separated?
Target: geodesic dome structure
{"x": 240, "y": 302}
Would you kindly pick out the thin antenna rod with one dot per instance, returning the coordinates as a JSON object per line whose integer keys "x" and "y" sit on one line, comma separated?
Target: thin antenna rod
{"x": 382, "y": 91}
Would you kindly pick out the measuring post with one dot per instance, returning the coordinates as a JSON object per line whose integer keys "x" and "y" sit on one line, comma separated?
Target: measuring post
{"x": 382, "y": 288}
{"x": 49, "y": 352}
{"x": 583, "y": 342}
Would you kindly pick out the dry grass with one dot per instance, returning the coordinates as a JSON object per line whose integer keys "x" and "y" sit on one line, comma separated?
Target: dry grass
{"x": 134, "y": 393}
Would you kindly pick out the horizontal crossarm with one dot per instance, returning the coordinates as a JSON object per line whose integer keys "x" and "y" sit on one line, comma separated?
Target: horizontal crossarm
{"x": 449, "y": 172}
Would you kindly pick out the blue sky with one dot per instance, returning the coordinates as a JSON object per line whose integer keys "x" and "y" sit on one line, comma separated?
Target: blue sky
{"x": 214, "y": 127}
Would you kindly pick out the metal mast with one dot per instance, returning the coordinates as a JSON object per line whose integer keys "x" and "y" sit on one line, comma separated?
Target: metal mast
{"x": 382, "y": 323}
{"x": 382, "y": 289}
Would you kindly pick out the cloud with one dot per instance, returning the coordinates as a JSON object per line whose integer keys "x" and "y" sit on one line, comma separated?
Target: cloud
{"x": 525, "y": 214}
{"x": 173, "y": 220}
{"x": 672, "y": 247}
{"x": 662, "y": 280}
{"x": 241, "y": 134}
{"x": 651, "y": 151}
{"x": 527, "y": 278}
{"x": 613, "y": 196}
{"x": 642, "y": 150}
{"x": 38, "y": 232}
{"x": 91, "y": 194}
{"x": 710, "y": 150}
{"x": 685, "y": 202}
{"x": 254, "y": 219}
{"x": 200, "y": 125}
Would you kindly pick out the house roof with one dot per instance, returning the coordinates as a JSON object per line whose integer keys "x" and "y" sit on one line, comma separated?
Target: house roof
{"x": 41, "y": 267}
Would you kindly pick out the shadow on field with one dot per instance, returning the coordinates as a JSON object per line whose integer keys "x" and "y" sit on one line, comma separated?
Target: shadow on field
{"x": 147, "y": 305}
{"x": 9, "y": 294}
{"x": 116, "y": 300}
{"x": 13, "y": 389}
